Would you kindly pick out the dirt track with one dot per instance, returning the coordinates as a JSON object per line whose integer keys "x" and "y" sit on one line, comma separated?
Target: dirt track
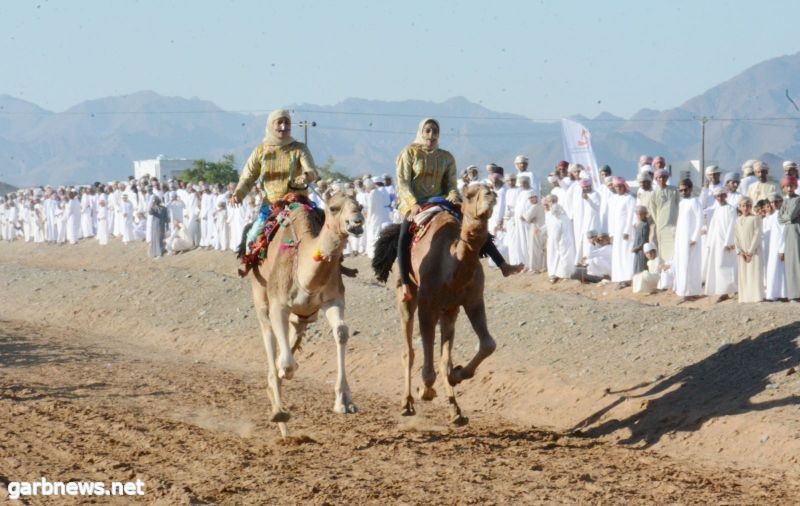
{"x": 115, "y": 367}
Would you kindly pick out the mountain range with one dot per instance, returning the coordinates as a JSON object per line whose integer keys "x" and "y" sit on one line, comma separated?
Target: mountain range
{"x": 751, "y": 115}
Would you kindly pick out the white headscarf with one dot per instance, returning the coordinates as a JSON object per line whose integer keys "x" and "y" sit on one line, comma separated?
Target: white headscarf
{"x": 421, "y": 140}
{"x": 269, "y": 138}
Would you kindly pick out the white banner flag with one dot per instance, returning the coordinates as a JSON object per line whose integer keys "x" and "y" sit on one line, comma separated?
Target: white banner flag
{"x": 578, "y": 148}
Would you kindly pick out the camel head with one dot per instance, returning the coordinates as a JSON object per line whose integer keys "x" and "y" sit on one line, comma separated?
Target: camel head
{"x": 478, "y": 202}
{"x": 343, "y": 212}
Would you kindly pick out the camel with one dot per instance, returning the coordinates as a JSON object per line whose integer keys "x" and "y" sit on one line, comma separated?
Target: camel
{"x": 300, "y": 276}
{"x": 447, "y": 275}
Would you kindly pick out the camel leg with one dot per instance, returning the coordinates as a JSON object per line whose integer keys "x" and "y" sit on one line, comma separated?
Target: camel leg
{"x": 296, "y": 333}
{"x": 334, "y": 312}
{"x": 486, "y": 345}
{"x": 447, "y": 326}
{"x": 285, "y": 363}
{"x": 427, "y": 329}
{"x": 279, "y": 414}
{"x": 407, "y": 310}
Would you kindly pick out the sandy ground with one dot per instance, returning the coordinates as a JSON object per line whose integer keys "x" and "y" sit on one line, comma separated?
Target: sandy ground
{"x": 114, "y": 367}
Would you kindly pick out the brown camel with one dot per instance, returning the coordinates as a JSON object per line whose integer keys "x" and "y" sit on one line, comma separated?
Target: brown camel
{"x": 300, "y": 276}
{"x": 447, "y": 275}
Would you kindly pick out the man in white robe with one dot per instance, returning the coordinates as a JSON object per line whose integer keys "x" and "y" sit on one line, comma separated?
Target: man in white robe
{"x": 517, "y": 238}
{"x": 599, "y": 256}
{"x": 50, "y": 206}
{"x": 537, "y": 235}
{"x": 560, "y": 247}
{"x": 87, "y": 218}
{"x": 119, "y": 219}
{"x": 687, "y": 261}
{"x": 126, "y": 218}
{"x": 775, "y": 271}
{"x": 621, "y": 214}
{"x": 378, "y": 212}
{"x": 102, "y": 219}
{"x": 586, "y": 217}
{"x": 73, "y": 218}
{"x": 721, "y": 256}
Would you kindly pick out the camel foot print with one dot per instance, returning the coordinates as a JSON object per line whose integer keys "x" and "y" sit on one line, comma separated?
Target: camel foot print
{"x": 427, "y": 393}
{"x": 280, "y": 417}
{"x": 459, "y": 420}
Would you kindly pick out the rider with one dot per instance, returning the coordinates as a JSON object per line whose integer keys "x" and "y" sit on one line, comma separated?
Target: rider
{"x": 425, "y": 171}
{"x": 284, "y": 164}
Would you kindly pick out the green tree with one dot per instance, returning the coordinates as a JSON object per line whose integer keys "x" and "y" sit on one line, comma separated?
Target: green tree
{"x": 221, "y": 172}
{"x": 326, "y": 171}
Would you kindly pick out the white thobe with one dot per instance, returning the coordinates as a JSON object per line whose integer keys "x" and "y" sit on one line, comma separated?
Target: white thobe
{"x": 560, "y": 249}
{"x": 87, "y": 220}
{"x": 687, "y": 262}
{"x": 378, "y": 215}
{"x": 585, "y": 218}
{"x": 102, "y": 222}
{"x": 775, "y": 271}
{"x": 518, "y": 230}
{"x": 720, "y": 273}
{"x": 73, "y": 220}
{"x": 620, "y": 224}
{"x": 127, "y": 220}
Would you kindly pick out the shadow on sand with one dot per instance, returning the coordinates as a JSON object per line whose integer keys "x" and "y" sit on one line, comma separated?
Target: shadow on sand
{"x": 720, "y": 385}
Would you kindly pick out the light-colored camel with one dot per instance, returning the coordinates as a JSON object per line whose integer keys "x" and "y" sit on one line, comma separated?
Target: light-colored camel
{"x": 447, "y": 275}
{"x": 300, "y": 276}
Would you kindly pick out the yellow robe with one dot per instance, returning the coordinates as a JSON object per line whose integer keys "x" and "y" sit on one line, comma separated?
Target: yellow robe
{"x": 422, "y": 175}
{"x": 276, "y": 166}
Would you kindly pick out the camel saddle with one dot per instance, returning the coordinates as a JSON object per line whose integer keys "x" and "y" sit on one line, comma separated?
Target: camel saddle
{"x": 433, "y": 206}
{"x": 270, "y": 219}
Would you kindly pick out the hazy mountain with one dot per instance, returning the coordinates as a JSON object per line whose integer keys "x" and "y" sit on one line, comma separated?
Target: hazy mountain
{"x": 99, "y": 139}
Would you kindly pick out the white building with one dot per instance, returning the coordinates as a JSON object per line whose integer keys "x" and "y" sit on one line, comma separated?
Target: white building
{"x": 161, "y": 167}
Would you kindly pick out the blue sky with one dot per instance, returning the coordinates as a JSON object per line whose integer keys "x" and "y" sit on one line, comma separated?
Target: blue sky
{"x": 545, "y": 59}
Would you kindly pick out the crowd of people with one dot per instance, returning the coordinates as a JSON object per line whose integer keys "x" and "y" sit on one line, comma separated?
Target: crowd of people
{"x": 172, "y": 217}
{"x": 736, "y": 233}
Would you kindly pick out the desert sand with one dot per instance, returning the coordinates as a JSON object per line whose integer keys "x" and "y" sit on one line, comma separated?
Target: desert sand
{"x": 114, "y": 366}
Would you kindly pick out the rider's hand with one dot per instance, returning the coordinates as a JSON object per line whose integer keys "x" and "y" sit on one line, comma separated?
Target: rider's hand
{"x": 414, "y": 211}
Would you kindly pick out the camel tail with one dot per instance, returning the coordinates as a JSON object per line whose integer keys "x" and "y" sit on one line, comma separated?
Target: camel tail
{"x": 484, "y": 252}
{"x": 385, "y": 252}
{"x": 242, "y": 249}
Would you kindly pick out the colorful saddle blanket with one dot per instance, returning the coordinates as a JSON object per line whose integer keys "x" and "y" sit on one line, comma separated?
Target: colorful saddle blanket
{"x": 269, "y": 220}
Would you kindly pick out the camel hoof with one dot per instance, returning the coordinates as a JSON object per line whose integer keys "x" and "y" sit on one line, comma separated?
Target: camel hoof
{"x": 280, "y": 417}
{"x": 454, "y": 377}
{"x": 427, "y": 393}
{"x": 287, "y": 372}
{"x": 352, "y": 408}
{"x": 408, "y": 411}
{"x": 459, "y": 420}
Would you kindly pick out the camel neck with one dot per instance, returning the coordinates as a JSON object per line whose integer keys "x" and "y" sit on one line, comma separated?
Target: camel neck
{"x": 320, "y": 257}
{"x": 472, "y": 238}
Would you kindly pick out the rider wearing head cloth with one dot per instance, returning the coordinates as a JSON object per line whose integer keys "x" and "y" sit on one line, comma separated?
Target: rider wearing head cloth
{"x": 284, "y": 164}
{"x": 425, "y": 171}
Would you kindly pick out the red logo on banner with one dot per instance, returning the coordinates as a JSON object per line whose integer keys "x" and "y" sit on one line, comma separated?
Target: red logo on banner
{"x": 584, "y": 140}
